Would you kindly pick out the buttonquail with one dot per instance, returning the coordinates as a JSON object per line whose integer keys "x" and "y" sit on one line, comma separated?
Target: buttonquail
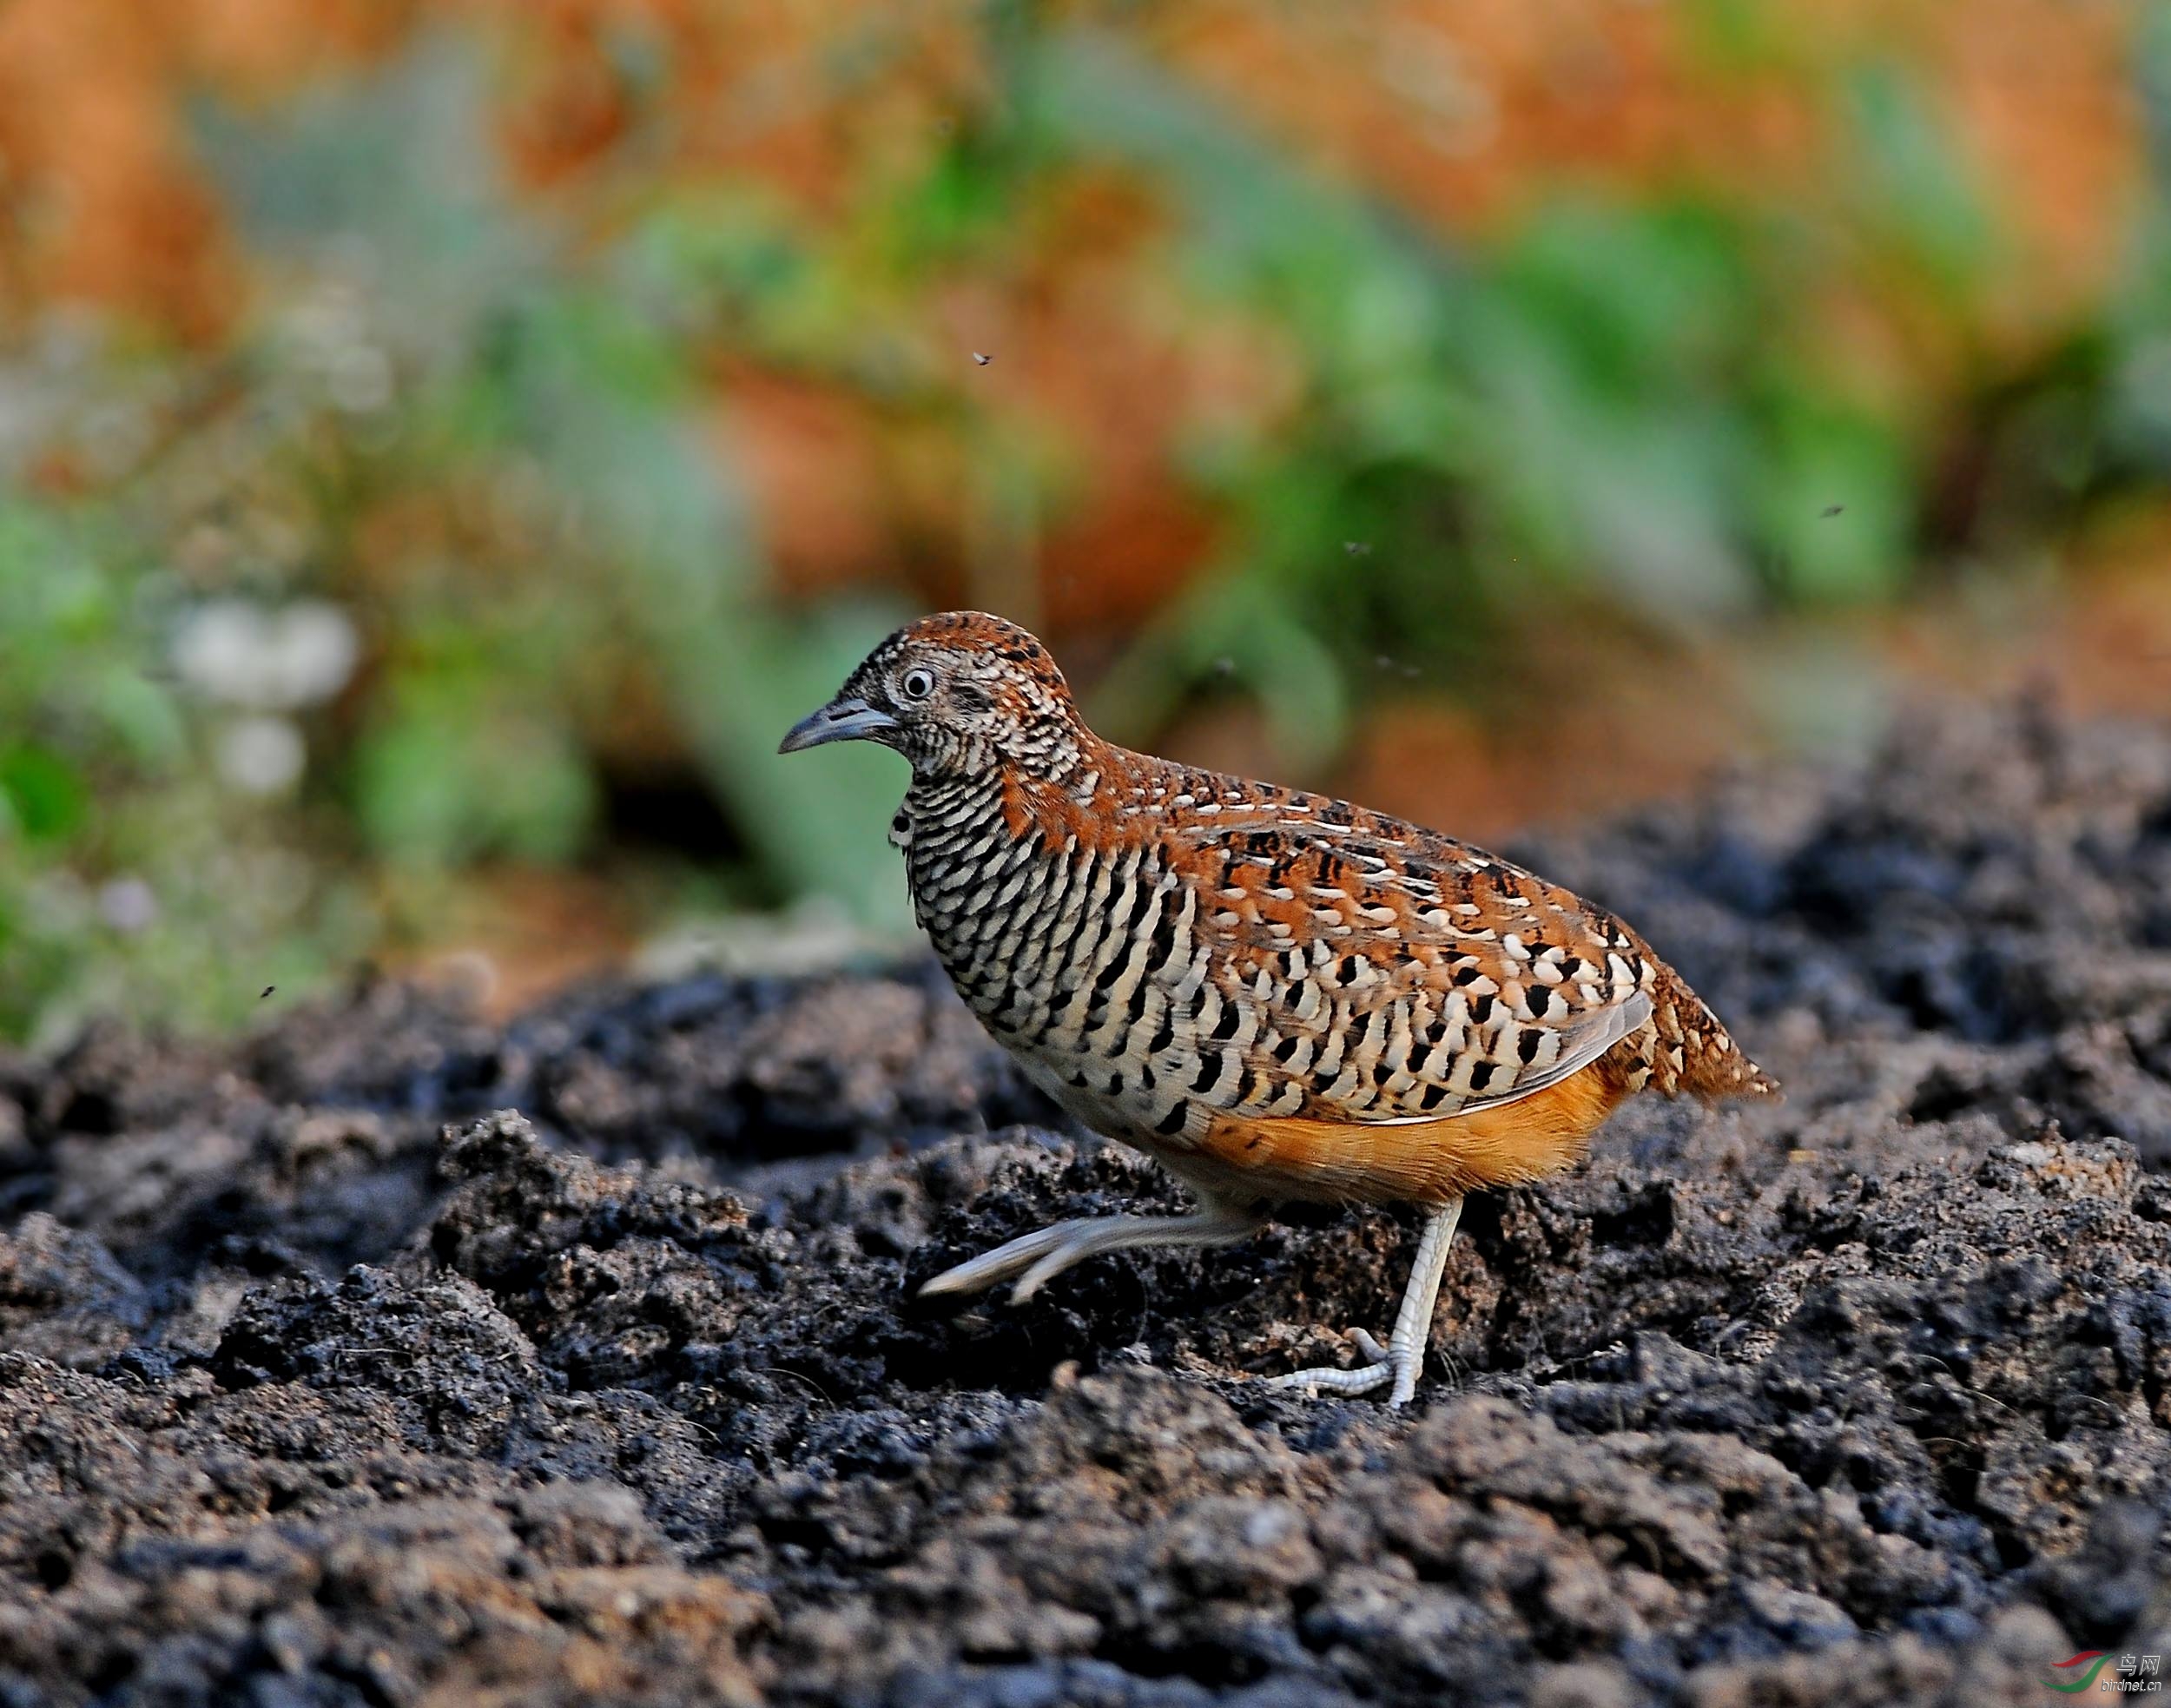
{"x": 1277, "y": 995}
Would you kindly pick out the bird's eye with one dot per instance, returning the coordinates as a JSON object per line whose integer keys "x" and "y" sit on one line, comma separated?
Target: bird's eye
{"x": 918, "y": 684}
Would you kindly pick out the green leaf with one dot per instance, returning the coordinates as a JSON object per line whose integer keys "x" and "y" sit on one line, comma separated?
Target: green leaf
{"x": 43, "y": 794}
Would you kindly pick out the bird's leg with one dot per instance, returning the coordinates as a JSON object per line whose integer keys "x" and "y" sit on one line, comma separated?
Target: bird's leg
{"x": 1046, "y": 1252}
{"x": 1397, "y": 1361}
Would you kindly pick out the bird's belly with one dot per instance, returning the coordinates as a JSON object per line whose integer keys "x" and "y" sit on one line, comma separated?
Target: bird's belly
{"x": 1413, "y": 1162}
{"x": 1104, "y": 1096}
{"x": 1116, "y": 1119}
{"x": 1231, "y": 1174}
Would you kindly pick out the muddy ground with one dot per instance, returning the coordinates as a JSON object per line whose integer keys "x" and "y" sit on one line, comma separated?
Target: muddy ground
{"x": 322, "y": 1383}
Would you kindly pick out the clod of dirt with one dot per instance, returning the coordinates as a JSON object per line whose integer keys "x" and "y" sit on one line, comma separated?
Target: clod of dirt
{"x": 322, "y": 1383}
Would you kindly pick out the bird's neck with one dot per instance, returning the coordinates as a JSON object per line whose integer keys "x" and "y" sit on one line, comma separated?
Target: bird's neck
{"x": 1027, "y": 799}
{"x": 965, "y": 835}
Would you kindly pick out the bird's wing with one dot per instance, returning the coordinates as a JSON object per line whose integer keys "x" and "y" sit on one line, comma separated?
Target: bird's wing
{"x": 1355, "y": 968}
{"x": 1583, "y": 1040}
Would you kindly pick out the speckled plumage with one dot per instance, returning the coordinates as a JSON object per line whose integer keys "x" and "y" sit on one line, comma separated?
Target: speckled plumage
{"x": 1278, "y": 995}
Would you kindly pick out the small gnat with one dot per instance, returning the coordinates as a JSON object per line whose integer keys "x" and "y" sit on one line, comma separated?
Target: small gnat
{"x": 242, "y": 654}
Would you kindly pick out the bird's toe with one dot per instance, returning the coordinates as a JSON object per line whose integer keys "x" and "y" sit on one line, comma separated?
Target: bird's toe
{"x": 1381, "y": 1365}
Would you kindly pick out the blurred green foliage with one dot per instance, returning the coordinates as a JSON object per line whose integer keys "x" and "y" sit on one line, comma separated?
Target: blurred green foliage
{"x": 129, "y": 880}
{"x": 488, "y": 436}
{"x": 1615, "y": 399}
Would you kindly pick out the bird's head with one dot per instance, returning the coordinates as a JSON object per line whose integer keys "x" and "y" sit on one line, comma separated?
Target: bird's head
{"x": 959, "y": 695}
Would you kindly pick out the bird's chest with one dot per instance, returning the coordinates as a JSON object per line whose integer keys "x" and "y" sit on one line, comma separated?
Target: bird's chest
{"x": 1053, "y": 948}
{"x": 977, "y": 890}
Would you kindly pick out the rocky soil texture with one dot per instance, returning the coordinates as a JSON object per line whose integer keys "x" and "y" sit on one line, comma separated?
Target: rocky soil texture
{"x": 322, "y": 1383}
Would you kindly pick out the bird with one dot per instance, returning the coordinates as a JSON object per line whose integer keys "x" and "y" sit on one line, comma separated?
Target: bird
{"x": 1279, "y": 996}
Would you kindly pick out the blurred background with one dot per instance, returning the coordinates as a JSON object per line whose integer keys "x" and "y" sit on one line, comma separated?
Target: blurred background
{"x": 443, "y": 444}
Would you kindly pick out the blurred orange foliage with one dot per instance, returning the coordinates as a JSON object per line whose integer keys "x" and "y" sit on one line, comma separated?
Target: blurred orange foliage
{"x": 1457, "y": 114}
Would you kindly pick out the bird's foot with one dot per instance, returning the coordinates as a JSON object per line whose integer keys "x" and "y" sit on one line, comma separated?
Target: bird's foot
{"x": 1027, "y": 1251}
{"x": 1038, "y": 1257}
{"x": 1382, "y": 1365}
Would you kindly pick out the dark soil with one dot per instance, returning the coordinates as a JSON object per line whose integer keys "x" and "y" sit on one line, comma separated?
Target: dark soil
{"x": 309, "y": 1398}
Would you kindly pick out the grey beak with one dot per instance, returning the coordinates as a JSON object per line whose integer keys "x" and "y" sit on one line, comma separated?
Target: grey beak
{"x": 850, "y": 720}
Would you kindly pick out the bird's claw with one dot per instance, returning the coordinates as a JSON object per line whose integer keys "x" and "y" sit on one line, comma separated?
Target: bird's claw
{"x": 1373, "y": 1352}
{"x": 1381, "y": 1365}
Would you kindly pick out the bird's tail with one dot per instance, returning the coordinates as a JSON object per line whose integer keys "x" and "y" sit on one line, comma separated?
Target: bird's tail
{"x": 1696, "y": 1056}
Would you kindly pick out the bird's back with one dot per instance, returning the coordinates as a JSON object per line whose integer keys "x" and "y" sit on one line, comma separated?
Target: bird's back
{"x": 1277, "y": 990}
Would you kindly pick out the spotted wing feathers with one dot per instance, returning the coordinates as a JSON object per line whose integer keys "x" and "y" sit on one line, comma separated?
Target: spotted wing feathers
{"x": 1361, "y": 969}
{"x": 1582, "y": 1042}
